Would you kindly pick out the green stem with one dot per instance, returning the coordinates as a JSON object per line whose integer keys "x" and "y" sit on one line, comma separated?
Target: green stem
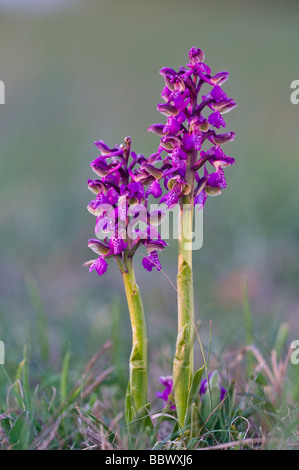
{"x": 183, "y": 361}
{"x": 184, "y": 355}
{"x": 138, "y": 358}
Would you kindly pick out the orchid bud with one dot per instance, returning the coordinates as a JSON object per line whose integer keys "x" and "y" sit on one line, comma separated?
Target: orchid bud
{"x": 167, "y": 109}
{"x": 224, "y": 138}
{"x": 157, "y": 129}
{"x": 155, "y": 172}
{"x": 141, "y": 176}
{"x": 100, "y": 167}
{"x": 155, "y": 245}
{"x": 127, "y": 141}
{"x": 195, "y": 56}
{"x": 100, "y": 144}
{"x": 169, "y": 83}
{"x": 96, "y": 186}
{"x": 97, "y": 246}
{"x": 175, "y": 83}
{"x": 213, "y": 190}
{"x": 167, "y": 71}
{"x": 94, "y": 209}
{"x": 168, "y": 143}
{"x": 224, "y": 106}
{"x": 220, "y": 78}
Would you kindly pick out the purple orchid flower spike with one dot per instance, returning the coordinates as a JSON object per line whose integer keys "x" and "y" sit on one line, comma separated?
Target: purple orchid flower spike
{"x": 123, "y": 185}
{"x": 193, "y": 119}
{"x": 192, "y": 164}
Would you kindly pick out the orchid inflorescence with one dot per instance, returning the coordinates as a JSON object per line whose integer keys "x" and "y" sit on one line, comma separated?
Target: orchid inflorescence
{"x": 188, "y": 127}
{"x": 187, "y": 167}
{"x": 125, "y": 183}
{"x": 122, "y": 205}
{"x": 192, "y": 164}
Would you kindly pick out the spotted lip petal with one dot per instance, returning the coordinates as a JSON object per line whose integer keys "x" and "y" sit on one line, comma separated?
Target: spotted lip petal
{"x": 171, "y": 199}
{"x": 117, "y": 246}
{"x": 216, "y": 120}
{"x": 154, "y": 189}
{"x": 99, "y": 265}
{"x": 152, "y": 261}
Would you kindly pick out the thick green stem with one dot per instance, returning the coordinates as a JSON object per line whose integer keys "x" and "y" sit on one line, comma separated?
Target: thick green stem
{"x": 183, "y": 361}
{"x": 138, "y": 358}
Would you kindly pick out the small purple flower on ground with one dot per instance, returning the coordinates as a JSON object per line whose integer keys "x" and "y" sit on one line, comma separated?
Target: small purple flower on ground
{"x": 167, "y": 394}
{"x": 204, "y": 387}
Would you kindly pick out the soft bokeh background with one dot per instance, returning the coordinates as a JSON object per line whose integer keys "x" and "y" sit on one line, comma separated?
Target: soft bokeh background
{"x": 78, "y": 71}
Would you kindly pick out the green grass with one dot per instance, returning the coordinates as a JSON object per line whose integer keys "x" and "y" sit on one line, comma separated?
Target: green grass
{"x": 83, "y": 408}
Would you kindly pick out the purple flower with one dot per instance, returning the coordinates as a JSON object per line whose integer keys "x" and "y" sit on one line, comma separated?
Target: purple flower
{"x": 167, "y": 394}
{"x": 192, "y": 120}
{"x": 200, "y": 199}
{"x": 98, "y": 247}
{"x": 154, "y": 189}
{"x": 178, "y": 187}
{"x": 204, "y": 387}
{"x": 117, "y": 246}
{"x": 99, "y": 265}
{"x": 219, "y": 159}
{"x": 218, "y": 94}
{"x": 127, "y": 180}
{"x": 95, "y": 186}
{"x": 172, "y": 198}
{"x": 153, "y": 246}
{"x": 172, "y": 126}
{"x": 133, "y": 191}
{"x": 216, "y": 179}
{"x": 211, "y": 184}
{"x": 195, "y": 56}
{"x": 216, "y": 120}
{"x": 152, "y": 261}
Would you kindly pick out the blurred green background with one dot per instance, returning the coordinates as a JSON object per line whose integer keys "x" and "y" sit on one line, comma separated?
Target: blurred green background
{"x": 88, "y": 70}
